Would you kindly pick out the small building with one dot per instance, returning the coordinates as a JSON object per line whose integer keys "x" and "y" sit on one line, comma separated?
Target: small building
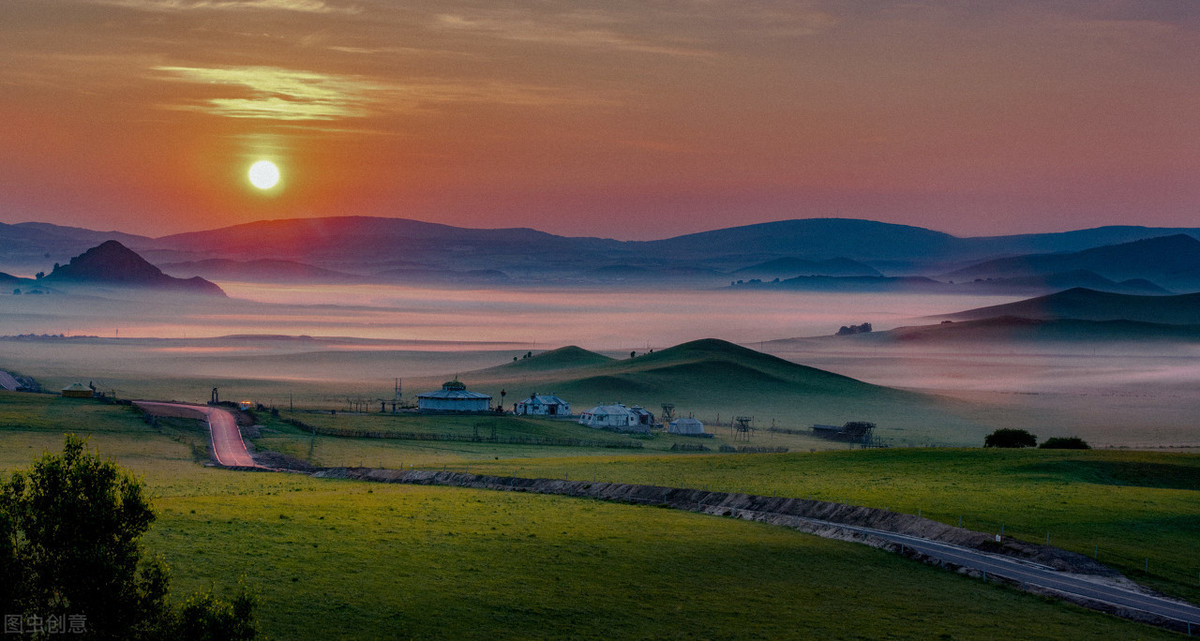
{"x": 78, "y": 390}
{"x": 454, "y": 397}
{"x": 615, "y": 416}
{"x": 644, "y": 416}
{"x": 543, "y": 405}
{"x": 687, "y": 427}
{"x": 8, "y": 383}
{"x": 853, "y": 431}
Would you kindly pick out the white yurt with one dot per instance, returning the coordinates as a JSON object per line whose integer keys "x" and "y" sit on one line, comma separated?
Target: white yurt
{"x": 614, "y": 416}
{"x": 453, "y": 397}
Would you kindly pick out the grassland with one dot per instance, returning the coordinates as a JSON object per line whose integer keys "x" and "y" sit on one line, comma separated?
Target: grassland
{"x": 331, "y": 451}
{"x": 345, "y": 560}
{"x": 1133, "y": 509}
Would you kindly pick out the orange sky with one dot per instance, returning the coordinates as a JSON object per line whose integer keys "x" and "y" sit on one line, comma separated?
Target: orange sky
{"x": 634, "y": 119}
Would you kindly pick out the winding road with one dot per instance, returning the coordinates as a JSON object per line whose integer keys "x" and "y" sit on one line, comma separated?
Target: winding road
{"x": 227, "y": 445}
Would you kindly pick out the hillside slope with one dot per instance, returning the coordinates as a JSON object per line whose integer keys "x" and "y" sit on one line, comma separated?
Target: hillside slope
{"x": 712, "y": 377}
{"x": 1169, "y": 260}
{"x": 1087, "y": 304}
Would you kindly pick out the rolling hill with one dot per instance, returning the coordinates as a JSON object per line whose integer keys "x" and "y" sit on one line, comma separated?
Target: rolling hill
{"x": 714, "y": 377}
{"x": 1173, "y": 261}
{"x": 563, "y": 358}
{"x": 1013, "y": 329}
{"x": 1091, "y": 305}
{"x": 111, "y": 263}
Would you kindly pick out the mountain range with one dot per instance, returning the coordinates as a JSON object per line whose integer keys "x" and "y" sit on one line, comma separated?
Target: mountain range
{"x": 363, "y": 249}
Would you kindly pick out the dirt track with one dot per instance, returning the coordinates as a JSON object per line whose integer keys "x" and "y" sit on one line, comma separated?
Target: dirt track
{"x": 227, "y": 445}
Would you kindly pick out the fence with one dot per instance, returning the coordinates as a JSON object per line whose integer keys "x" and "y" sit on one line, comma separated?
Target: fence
{"x": 465, "y": 438}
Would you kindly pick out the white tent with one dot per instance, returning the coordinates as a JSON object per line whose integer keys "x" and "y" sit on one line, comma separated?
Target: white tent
{"x": 686, "y": 426}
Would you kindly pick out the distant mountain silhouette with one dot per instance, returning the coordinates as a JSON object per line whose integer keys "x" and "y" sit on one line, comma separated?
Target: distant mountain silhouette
{"x": 850, "y": 284}
{"x": 1168, "y": 260}
{"x": 813, "y": 239}
{"x": 790, "y": 266}
{"x": 1049, "y": 283}
{"x": 366, "y": 245}
{"x": 111, "y": 263}
{"x": 264, "y": 270}
{"x": 31, "y": 246}
{"x": 1091, "y": 305}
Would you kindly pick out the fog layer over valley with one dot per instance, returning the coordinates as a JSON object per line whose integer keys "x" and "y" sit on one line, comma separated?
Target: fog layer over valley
{"x": 315, "y": 345}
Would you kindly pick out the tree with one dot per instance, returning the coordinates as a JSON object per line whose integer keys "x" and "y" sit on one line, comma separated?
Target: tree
{"x": 70, "y": 544}
{"x": 1010, "y": 438}
{"x": 1060, "y": 443}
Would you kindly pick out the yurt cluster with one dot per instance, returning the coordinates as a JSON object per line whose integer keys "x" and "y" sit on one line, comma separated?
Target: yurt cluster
{"x": 455, "y": 398}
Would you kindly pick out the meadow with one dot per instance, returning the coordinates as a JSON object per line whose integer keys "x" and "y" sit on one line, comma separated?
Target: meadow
{"x": 347, "y": 560}
{"x": 1134, "y": 510}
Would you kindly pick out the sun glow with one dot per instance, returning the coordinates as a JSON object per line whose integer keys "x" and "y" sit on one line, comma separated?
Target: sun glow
{"x": 264, "y": 174}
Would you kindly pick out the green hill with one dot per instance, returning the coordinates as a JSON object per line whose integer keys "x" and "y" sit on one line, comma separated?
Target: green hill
{"x": 557, "y": 359}
{"x": 711, "y": 378}
{"x": 1086, "y": 304}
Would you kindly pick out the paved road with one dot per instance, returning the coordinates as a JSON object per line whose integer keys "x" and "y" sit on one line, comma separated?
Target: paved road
{"x": 1029, "y": 573}
{"x": 227, "y": 444}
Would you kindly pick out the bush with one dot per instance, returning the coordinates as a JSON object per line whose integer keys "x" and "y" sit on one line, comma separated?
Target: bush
{"x": 1010, "y": 438}
{"x": 1060, "y": 443}
{"x": 70, "y": 546}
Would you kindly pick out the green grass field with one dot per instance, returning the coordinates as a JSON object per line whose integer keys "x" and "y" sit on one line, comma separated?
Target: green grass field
{"x": 346, "y": 560}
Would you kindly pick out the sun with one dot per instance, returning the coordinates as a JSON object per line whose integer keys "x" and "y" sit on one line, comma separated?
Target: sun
{"x": 264, "y": 174}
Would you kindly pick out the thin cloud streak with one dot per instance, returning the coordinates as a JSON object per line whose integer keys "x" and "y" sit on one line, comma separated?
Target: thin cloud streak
{"x": 301, "y": 6}
{"x": 290, "y": 95}
{"x": 547, "y": 32}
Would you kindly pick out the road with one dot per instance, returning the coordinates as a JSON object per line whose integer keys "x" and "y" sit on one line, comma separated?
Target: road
{"x": 227, "y": 445}
{"x": 1028, "y": 573}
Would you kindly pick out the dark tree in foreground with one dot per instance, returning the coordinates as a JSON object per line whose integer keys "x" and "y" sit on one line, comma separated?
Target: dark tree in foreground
{"x": 1010, "y": 438}
{"x": 70, "y": 532}
{"x": 1060, "y": 443}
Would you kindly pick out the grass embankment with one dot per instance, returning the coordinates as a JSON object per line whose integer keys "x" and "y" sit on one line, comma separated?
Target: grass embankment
{"x": 1131, "y": 509}
{"x": 337, "y": 559}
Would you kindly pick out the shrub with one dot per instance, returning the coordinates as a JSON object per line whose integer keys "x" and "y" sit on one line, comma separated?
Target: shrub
{"x": 70, "y": 544}
{"x": 1010, "y": 438}
{"x": 1060, "y": 443}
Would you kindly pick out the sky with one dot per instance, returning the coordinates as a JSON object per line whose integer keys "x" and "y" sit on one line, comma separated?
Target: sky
{"x": 633, "y": 119}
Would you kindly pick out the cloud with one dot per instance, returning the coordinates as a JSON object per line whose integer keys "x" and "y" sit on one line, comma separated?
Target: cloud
{"x": 574, "y": 30}
{"x": 288, "y": 95}
{"x": 303, "y": 6}
{"x": 281, "y": 94}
